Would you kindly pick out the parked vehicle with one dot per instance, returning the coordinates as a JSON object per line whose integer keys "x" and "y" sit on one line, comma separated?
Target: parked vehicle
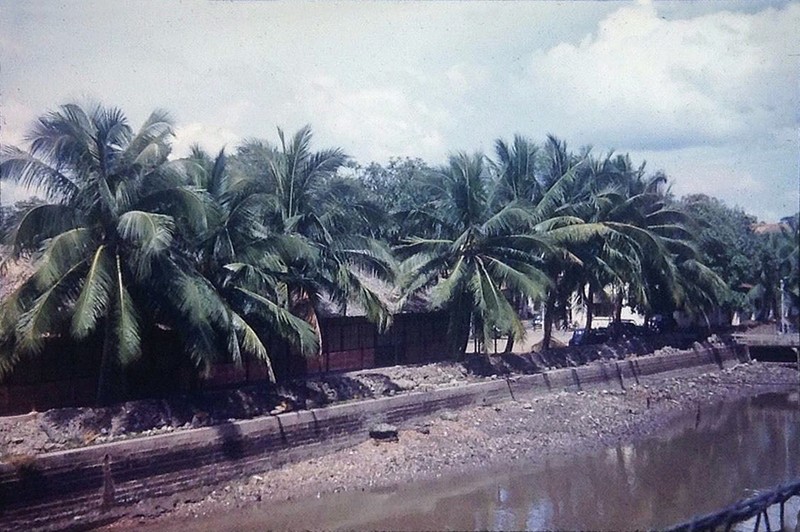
{"x": 625, "y": 329}
{"x": 588, "y": 337}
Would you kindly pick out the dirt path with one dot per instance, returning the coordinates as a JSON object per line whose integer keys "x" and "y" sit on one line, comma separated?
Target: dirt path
{"x": 549, "y": 426}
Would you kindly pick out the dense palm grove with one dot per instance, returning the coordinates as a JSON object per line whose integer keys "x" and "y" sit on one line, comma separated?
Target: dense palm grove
{"x": 228, "y": 252}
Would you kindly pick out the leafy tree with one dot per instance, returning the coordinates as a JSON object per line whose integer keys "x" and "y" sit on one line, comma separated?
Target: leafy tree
{"x": 728, "y": 246}
{"x": 109, "y": 244}
{"x": 306, "y": 199}
{"x": 241, "y": 259}
{"x": 399, "y": 190}
{"x": 671, "y": 274}
{"x": 787, "y": 247}
{"x": 483, "y": 255}
{"x": 778, "y": 263}
{"x": 516, "y": 171}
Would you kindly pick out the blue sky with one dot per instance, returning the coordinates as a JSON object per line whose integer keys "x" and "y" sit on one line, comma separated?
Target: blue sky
{"x": 706, "y": 91}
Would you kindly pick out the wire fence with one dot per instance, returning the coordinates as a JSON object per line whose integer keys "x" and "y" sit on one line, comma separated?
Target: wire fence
{"x": 746, "y": 509}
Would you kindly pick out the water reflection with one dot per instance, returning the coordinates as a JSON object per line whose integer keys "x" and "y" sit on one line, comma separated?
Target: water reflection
{"x": 708, "y": 459}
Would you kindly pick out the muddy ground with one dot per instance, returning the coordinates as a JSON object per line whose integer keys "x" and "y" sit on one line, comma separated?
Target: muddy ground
{"x": 449, "y": 443}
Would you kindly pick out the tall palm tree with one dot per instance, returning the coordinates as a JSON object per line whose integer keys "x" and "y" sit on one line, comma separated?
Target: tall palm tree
{"x": 242, "y": 259}
{"x": 559, "y": 193}
{"x": 516, "y": 171}
{"x": 111, "y": 244}
{"x": 787, "y": 246}
{"x": 308, "y": 201}
{"x": 480, "y": 255}
{"x": 669, "y": 267}
{"x": 779, "y": 265}
{"x": 564, "y": 186}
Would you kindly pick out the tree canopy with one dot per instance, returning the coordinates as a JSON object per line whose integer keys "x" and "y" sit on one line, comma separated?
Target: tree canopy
{"x": 234, "y": 250}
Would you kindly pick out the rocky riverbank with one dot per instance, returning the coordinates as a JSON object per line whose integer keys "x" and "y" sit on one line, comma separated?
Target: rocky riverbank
{"x": 530, "y": 429}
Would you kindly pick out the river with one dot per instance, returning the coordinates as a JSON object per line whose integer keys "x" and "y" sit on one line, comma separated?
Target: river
{"x": 708, "y": 459}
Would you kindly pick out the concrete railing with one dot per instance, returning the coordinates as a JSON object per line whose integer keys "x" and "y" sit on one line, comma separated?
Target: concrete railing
{"x": 90, "y": 485}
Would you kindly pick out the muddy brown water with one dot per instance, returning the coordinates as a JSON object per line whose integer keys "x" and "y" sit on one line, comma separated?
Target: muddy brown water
{"x": 706, "y": 460}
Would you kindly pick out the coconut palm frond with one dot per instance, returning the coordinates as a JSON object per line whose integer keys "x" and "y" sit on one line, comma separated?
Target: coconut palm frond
{"x": 446, "y": 290}
{"x": 124, "y": 323}
{"x": 523, "y": 278}
{"x": 93, "y": 301}
{"x": 43, "y": 318}
{"x": 557, "y": 222}
{"x": 423, "y": 245}
{"x": 149, "y": 234}
{"x": 701, "y": 275}
{"x": 252, "y": 344}
{"x": 150, "y": 145}
{"x": 418, "y": 272}
{"x": 25, "y": 169}
{"x": 62, "y": 253}
{"x": 196, "y": 299}
{"x": 191, "y": 207}
{"x": 40, "y": 223}
{"x": 374, "y": 305}
{"x": 556, "y": 196}
{"x": 510, "y": 219}
{"x": 497, "y": 312}
{"x": 370, "y": 256}
{"x": 579, "y": 233}
{"x": 287, "y": 325}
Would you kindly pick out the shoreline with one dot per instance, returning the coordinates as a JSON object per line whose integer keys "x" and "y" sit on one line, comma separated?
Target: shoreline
{"x": 474, "y": 439}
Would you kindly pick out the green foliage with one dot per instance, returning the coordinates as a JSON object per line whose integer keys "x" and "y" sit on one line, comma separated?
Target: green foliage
{"x": 230, "y": 253}
{"x": 399, "y": 190}
{"x": 727, "y": 245}
{"x": 325, "y": 222}
{"x": 480, "y": 255}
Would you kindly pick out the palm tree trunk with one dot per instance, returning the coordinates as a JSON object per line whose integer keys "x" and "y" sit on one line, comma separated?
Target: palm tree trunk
{"x": 301, "y": 305}
{"x": 618, "y": 307}
{"x": 458, "y": 331}
{"x": 509, "y": 344}
{"x": 589, "y": 306}
{"x": 109, "y": 379}
{"x": 548, "y": 319}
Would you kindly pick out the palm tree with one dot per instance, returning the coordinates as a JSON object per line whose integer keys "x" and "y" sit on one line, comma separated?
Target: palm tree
{"x": 564, "y": 186}
{"x": 242, "y": 259}
{"x": 787, "y": 246}
{"x": 480, "y": 255}
{"x": 308, "y": 201}
{"x": 515, "y": 168}
{"x": 778, "y": 262}
{"x": 111, "y": 245}
{"x": 669, "y": 272}
{"x": 610, "y": 239}
{"x": 560, "y": 194}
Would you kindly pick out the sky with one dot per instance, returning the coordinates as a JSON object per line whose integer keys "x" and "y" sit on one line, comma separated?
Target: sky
{"x": 707, "y": 91}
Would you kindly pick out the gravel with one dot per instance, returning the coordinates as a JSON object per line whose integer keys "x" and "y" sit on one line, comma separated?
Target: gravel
{"x": 448, "y": 443}
{"x": 66, "y": 428}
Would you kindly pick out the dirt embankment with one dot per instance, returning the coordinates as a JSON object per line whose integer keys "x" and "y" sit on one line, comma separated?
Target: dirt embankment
{"x": 558, "y": 424}
{"x": 65, "y": 428}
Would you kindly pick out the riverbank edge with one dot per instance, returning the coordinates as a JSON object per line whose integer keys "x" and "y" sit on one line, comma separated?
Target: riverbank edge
{"x": 95, "y": 485}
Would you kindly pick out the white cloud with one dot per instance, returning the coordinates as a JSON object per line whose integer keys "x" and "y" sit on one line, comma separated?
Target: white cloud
{"x": 641, "y": 81}
{"x": 211, "y": 138}
{"x": 15, "y": 118}
{"x": 693, "y": 88}
{"x": 370, "y": 122}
